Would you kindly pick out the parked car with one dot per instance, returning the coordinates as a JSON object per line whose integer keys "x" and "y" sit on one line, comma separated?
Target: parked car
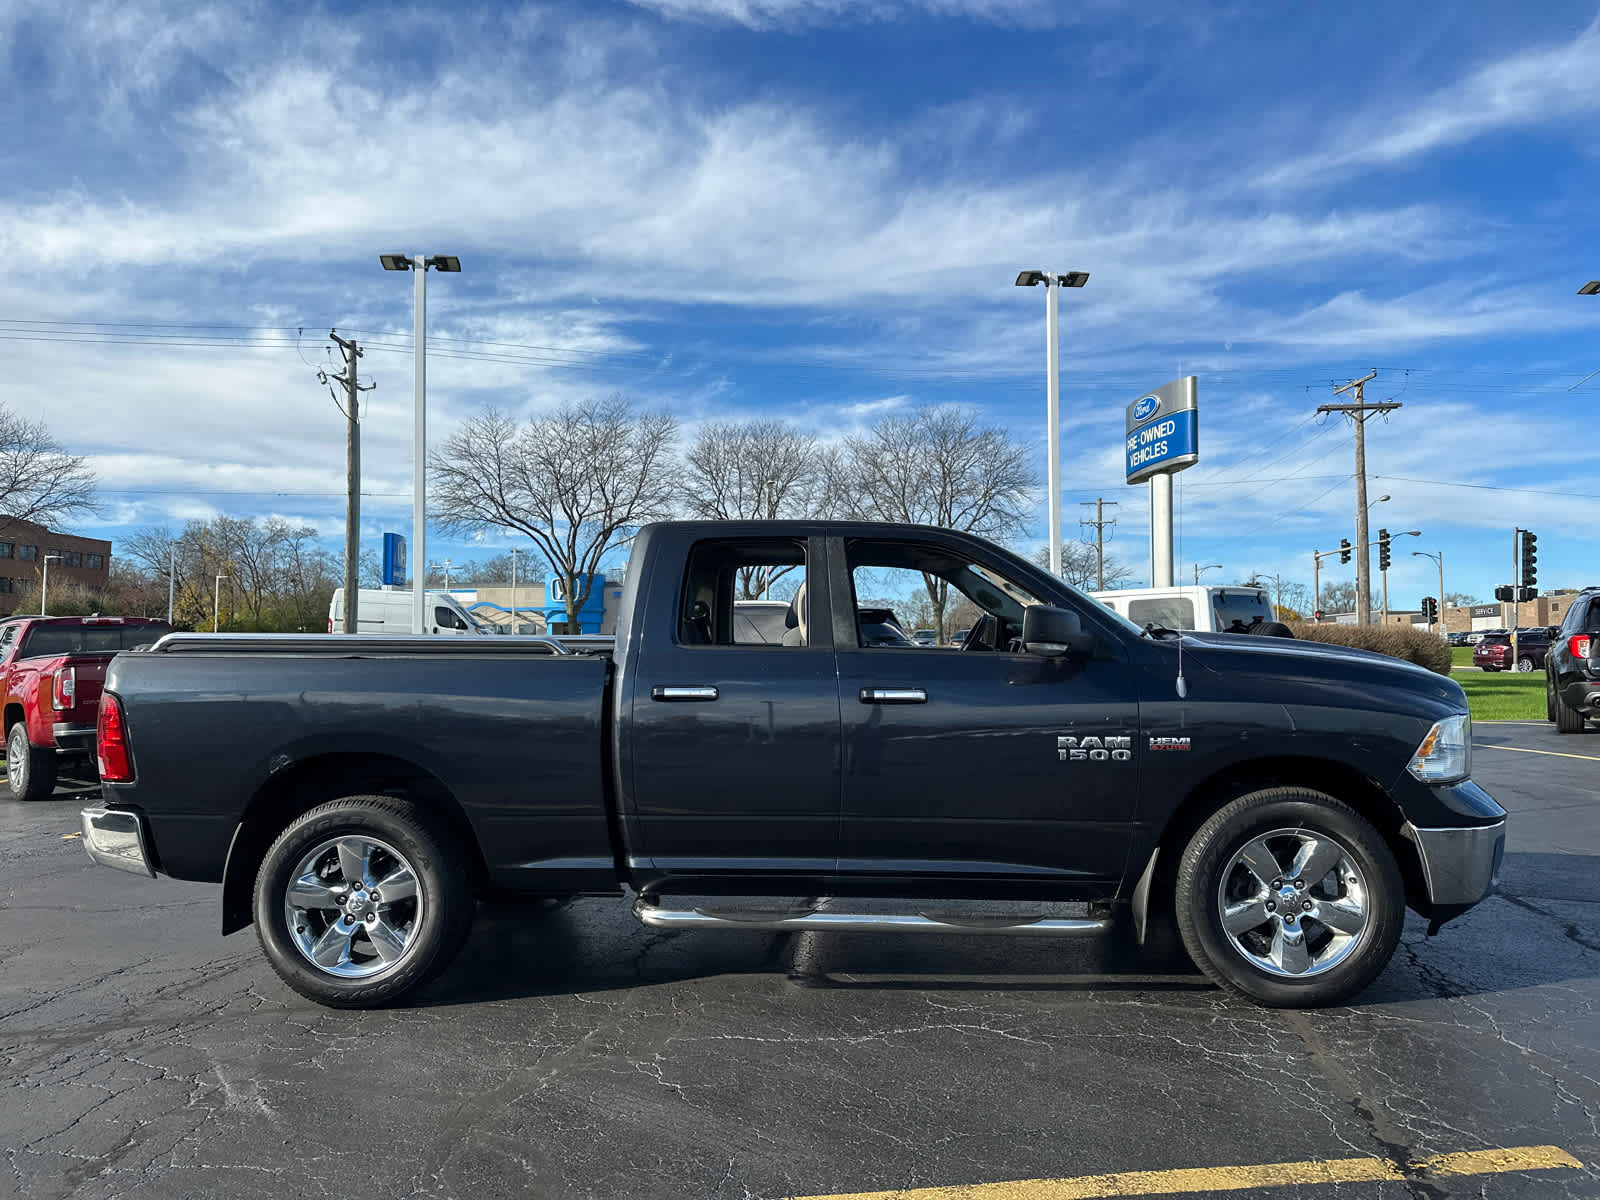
{"x": 1477, "y": 635}
{"x": 1572, "y": 668}
{"x": 1459, "y": 639}
{"x": 759, "y": 622}
{"x": 1206, "y": 608}
{"x": 51, "y": 669}
{"x": 926, "y": 637}
{"x": 385, "y": 612}
{"x": 1494, "y": 652}
{"x": 1283, "y": 802}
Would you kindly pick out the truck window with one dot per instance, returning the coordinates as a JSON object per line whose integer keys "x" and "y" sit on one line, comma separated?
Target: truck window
{"x": 1168, "y": 612}
{"x": 446, "y": 619}
{"x": 48, "y": 641}
{"x": 906, "y": 584}
{"x": 745, "y": 592}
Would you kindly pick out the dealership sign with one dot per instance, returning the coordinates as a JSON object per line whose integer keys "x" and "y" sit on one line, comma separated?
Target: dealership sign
{"x": 1163, "y": 430}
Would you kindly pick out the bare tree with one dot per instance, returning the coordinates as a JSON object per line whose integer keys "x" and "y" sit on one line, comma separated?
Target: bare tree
{"x": 752, "y": 470}
{"x": 578, "y": 482}
{"x": 40, "y": 481}
{"x": 1080, "y": 566}
{"x": 936, "y": 466}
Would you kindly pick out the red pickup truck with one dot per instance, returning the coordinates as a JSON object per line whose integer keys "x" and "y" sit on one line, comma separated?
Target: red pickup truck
{"x": 51, "y": 671}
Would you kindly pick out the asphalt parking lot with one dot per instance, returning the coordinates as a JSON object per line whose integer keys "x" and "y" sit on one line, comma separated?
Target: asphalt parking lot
{"x": 572, "y": 1053}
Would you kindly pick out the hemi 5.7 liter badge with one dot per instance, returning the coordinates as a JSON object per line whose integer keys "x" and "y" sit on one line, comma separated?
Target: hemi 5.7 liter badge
{"x": 1094, "y": 749}
{"x": 1169, "y": 743}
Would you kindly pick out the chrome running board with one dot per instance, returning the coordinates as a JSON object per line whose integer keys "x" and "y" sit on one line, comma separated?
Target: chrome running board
{"x": 791, "y": 921}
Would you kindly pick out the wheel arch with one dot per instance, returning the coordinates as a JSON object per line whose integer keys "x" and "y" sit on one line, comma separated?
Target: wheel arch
{"x": 15, "y": 714}
{"x": 299, "y": 788}
{"x": 1152, "y": 895}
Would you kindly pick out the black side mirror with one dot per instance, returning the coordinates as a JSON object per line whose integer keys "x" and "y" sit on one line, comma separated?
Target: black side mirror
{"x": 1053, "y": 632}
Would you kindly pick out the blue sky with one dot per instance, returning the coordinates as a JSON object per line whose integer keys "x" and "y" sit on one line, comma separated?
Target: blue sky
{"x": 815, "y": 209}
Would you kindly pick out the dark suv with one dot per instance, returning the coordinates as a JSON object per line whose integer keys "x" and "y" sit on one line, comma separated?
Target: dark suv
{"x": 1572, "y": 668}
{"x": 1493, "y": 653}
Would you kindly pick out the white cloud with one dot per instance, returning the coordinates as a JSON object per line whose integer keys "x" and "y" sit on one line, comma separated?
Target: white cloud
{"x": 798, "y": 14}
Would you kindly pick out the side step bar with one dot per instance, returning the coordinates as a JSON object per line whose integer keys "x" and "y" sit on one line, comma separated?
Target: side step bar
{"x": 792, "y": 921}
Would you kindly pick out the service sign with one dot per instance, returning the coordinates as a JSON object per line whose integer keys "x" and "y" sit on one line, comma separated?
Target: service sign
{"x": 1163, "y": 429}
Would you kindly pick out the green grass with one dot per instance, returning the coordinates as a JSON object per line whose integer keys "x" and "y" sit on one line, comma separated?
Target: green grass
{"x": 1503, "y": 695}
{"x": 1460, "y": 656}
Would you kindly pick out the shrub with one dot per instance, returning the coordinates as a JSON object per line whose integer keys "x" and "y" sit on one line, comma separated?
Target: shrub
{"x": 1413, "y": 645}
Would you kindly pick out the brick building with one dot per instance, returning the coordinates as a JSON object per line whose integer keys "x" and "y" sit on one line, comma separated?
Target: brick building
{"x": 23, "y": 548}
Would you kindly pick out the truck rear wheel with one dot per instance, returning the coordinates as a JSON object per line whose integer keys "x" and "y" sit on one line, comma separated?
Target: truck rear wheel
{"x": 1290, "y": 898}
{"x": 361, "y": 900}
{"x": 30, "y": 771}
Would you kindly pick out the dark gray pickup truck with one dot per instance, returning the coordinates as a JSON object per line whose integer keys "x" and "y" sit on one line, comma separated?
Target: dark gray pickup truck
{"x": 1283, "y": 801}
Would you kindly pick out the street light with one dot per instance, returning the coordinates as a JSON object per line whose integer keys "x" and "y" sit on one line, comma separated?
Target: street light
{"x": 44, "y": 586}
{"x": 1375, "y": 503}
{"x": 515, "y": 628}
{"x": 172, "y": 576}
{"x": 1198, "y": 568}
{"x": 1438, "y": 560}
{"x": 1592, "y": 288}
{"x": 419, "y": 265}
{"x": 1053, "y": 283}
{"x": 216, "y": 605}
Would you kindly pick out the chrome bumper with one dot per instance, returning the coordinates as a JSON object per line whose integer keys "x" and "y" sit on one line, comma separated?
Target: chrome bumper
{"x": 1460, "y": 866}
{"x": 116, "y": 838}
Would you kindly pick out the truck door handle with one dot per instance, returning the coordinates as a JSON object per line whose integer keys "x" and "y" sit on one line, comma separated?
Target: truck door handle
{"x": 683, "y": 693}
{"x": 893, "y": 696}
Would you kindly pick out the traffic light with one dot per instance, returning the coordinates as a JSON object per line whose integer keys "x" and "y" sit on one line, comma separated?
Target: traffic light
{"x": 1383, "y": 549}
{"x": 1344, "y": 550}
{"x": 1505, "y": 592}
{"x": 1530, "y": 559}
{"x": 1527, "y": 593}
{"x": 1430, "y": 609}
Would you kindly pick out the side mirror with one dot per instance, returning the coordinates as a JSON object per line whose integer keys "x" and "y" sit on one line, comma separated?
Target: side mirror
{"x": 1053, "y": 632}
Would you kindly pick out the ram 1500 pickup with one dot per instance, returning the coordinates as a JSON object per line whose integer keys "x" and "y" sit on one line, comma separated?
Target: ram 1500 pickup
{"x": 1284, "y": 801}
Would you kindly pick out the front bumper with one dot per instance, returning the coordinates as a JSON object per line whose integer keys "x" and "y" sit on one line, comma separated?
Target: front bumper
{"x": 1460, "y": 866}
{"x": 115, "y": 837}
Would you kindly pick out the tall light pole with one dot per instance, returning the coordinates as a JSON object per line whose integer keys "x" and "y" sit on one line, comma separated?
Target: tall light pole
{"x": 1208, "y": 567}
{"x": 1438, "y": 560}
{"x": 172, "y": 576}
{"x": 1052, "y": 282}
{"x": 216, "y": 605}
{"x": 44, "y": 585}
{"x": 515, "y": 628}
{"x": 418, "y": 265}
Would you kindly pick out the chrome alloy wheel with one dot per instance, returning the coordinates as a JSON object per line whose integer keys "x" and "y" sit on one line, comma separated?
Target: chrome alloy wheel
{"x": 1294, "y": 903}
{"x": 352, "y": 906}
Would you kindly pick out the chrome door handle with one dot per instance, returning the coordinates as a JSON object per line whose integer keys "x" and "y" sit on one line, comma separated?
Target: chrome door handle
{"x": 893, "y": 696}
{"x": 683, "y": 693}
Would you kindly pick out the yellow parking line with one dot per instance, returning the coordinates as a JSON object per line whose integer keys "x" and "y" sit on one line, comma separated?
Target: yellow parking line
{"x": 1234, "y": 1179}
{"x": 1525, "y": 750}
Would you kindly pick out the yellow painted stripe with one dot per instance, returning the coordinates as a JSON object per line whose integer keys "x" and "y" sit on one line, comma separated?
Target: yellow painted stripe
{"x": 1233, "y": 1179}
{"x": 1525, "y": 750}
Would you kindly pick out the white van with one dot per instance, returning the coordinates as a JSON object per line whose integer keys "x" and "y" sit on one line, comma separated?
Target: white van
{"x": 379, "y": 611}
{"x": 1202, "y": 609}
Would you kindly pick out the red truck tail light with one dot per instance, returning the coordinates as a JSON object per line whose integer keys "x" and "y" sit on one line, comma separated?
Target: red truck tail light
{"x": 1578, "y": 646}
{"x": 64, "y": 693}
{"x": 330, "y": 624}
{"x": 111, "y": 742}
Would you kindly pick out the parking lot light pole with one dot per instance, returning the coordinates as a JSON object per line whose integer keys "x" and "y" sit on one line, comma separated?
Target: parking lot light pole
{"x": 172, "y": 577}
{"x": 1053, "y": 281}
{"x": 418, "y": 265}
{"x": 1208, "y": 567}
{"x": 216, "y": 605}
{"x": 44, "y": 585}
{"x": 1438, "y": 560}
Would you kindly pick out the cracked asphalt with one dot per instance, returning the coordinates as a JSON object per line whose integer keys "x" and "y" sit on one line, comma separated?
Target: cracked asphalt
{"x": 572, "y": 1053}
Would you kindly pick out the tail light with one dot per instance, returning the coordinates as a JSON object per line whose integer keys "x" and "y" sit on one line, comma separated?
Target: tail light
{"x": 1579, "y": 646}
{"x": 64, "y": 694}
{"x": 111, "y": 742}
{"x": 330, "y": 624}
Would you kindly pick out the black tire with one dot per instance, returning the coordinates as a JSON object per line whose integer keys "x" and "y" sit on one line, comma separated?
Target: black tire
{"x": 1271, "y": 629}
{"x": 1568, "y": 719}
{"x": 434, "y": 924}
{"x": 1549, "y": 698}
{"x": 1209, "y": 864}
{"x": 30, "y": 770}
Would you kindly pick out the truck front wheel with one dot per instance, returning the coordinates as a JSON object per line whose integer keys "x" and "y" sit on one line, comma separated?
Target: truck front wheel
{"x": 1289, "y": 898}
{"x": 30, "y": 772}
{"x": 360, "y": 900}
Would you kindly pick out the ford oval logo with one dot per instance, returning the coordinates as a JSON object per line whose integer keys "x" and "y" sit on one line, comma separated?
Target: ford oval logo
{"x": 1145, "y": 407}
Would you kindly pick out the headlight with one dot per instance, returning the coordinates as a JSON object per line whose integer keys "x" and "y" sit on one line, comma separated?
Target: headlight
{"x": 1445, "y": 755}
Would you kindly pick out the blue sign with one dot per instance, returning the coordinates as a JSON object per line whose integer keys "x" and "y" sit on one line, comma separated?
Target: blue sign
{"x": 1145, "y": 407}
{"x": 1163, "y": 444}
{"x": 394, "y": 559}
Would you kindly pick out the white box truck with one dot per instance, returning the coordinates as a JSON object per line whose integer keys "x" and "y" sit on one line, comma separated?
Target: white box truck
{"x": 380, "y": 611}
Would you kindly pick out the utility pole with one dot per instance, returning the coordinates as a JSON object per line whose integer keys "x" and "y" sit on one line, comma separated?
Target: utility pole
{"x": 1099, "y": 524}
{"x": 1358, "y": 412}
{"x": 352, "y": 471}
